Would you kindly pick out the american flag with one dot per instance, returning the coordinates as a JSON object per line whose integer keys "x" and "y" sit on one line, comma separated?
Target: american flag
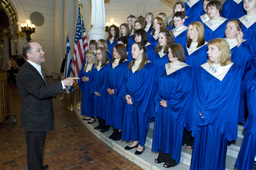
{"x": 81, "y": 46}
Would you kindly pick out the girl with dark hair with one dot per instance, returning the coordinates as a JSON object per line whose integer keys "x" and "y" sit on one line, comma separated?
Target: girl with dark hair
{"x": 172, "y": 106}
{"x": 112, "y": 37}
{"x": 115, "y": 105}
{"x": 161, "y": 51}
{"x": 141, "y": 36}
{"x": 138, "y": 94}
{"x": 98, "y": 88}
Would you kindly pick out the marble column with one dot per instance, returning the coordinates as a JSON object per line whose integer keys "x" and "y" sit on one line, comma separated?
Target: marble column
{"x": 59, "y": 32}
{"x": 97, "y": 20}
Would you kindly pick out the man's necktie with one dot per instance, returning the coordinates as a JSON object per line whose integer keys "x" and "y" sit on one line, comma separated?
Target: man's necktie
{"x": 43, "y": 76}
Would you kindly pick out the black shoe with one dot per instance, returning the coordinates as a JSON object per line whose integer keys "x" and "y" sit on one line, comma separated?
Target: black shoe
{"x": 166, "y": 165}
{"x": 139, "y": 152}
{"x": 129, "y": 148}
{"x": 97, "y": 127}
{"x": 113, "y": 134}
{"x": 117, "y": 136}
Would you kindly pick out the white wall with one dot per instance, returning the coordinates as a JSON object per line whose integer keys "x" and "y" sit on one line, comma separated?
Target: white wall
{"x": 121, "y": 9}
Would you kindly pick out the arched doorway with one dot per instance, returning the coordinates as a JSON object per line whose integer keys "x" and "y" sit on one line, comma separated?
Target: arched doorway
{"x": 8, "y": 29}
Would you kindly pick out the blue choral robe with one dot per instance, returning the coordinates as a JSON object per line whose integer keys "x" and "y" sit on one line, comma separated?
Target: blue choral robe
{"x": 140, "y": 86}
{"x": 159, "y": 61}
{"x": 196, "y": 58}
{"x": 109, "y": 55}
{"x": 99, "y": 80}
{"x": 247, "y": 151}
{"x": 115, "y": 104}
{"x": 242, "y": 56}
{"x": 111, "y": 45}
{"x": 219, "y": 32}
{"x": 218, "y": 103}
{"x": 232, "y": 10}
{"x": 181, "y": 38}
{"x": 86, "y": 108}
{"x": 176, "y": 89}
{"x": 194, "y": 11}
{"x": 152, "y": 40}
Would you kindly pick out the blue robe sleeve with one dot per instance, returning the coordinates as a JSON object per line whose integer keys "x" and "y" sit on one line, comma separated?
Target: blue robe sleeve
{"x": 180, "y": 103}
{"x": 143, "y": 99}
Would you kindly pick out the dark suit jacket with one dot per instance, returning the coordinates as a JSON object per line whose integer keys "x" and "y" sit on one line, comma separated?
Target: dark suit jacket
{"x": 36, "y": 96}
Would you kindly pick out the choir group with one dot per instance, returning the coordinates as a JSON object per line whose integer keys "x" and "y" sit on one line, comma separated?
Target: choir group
{"x": 194, "y": 77}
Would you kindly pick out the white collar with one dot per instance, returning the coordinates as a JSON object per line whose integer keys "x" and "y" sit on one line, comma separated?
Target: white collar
{"x": 178, "y": 31}
{"x": 99, "y": 66}
{"x": 136, "y": 65}
{"x": 217, "y": 70}
{"x": 115, "y": 63}
{"x": 232, "y": 42}
{"x": 214, "y": 24}
{"x": 205, "y": 18}
{"x": 161, "y": 52}
{"x": 89, "y": 67}
{"x": 192, "y": 2}
{"x": 173, "y": 67}
{"x": 193, "y": 47}
{"x": 248, "y": 20}
{"x": 37, "y": 67}
{"x": 237, "y": 1}
{"x": 148, "y": 43}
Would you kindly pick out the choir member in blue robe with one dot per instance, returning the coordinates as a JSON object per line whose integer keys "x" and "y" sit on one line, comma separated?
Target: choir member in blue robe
{"x": 113, "y": 35}
{"x": 180, "y": 30}
{"x": 194, "y": 8}
{"x": 196, "y": 48}
{"x": 158, "y": 25}
{"x": 140, "y": 35}
{"x": 115, "y": 105}
{"x": 137, "y": 25}
{"x": 247, "y": 153}
{"x": 204, "y": 17}
{"x": 161, "y": 51}
{"x": 232, "y": 9}
{"x": 240, "y": 54}
{"x": 103, "y": 43}
{"x": 124, "y": 33}
{"x": 84, "y": 84}
{"x": 180, "y": 7}
{"x": 173, "y": 100}
{"x": 215, "y": 27}
{"x": 138, "y": 93}
{"x": 249, "y": 24}
{"x": 98, "y": 88}
{"x": 217, "y": 88}
{"x": 149, "y": 22}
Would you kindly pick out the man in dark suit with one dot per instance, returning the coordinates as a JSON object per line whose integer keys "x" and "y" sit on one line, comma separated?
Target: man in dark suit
{"x": 37, "y": 108}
